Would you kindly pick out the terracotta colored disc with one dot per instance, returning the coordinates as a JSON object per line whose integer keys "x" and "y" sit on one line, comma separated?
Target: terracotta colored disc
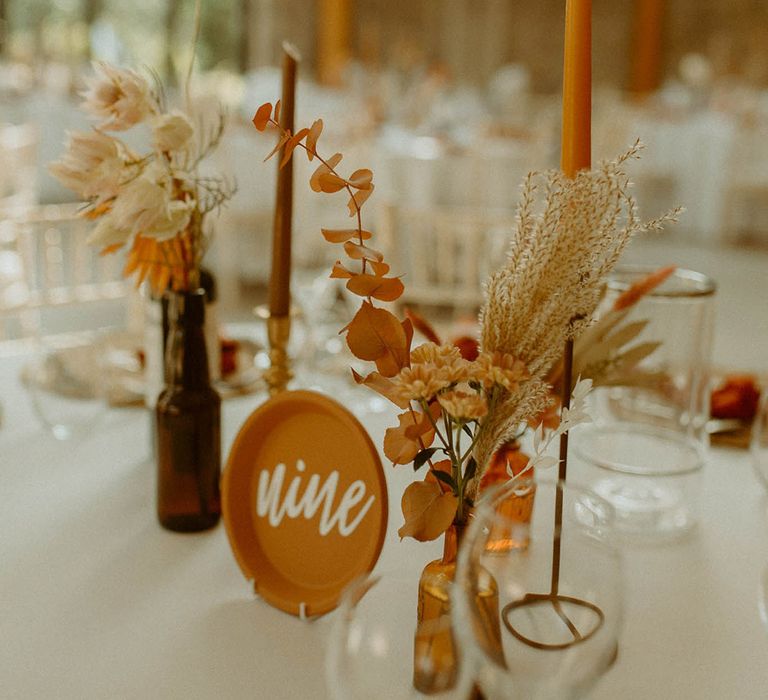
{"x": 304, "y": 500}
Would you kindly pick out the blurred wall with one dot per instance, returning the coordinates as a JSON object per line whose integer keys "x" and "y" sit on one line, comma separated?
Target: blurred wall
{"x": 468, "y": 39}
{"x": 472, "y": 38}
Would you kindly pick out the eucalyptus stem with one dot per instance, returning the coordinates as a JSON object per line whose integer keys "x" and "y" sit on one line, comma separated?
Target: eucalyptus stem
{"x": 425, "y": 406}
{"x": 471, "y": 445}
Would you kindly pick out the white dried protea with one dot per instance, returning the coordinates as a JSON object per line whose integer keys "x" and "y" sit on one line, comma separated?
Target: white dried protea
{"x": 92, "y": 165}
{"x": 119, "y": 97}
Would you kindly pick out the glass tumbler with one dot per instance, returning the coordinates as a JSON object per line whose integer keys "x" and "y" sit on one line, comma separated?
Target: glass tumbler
{"x": 66, "y": 383}
{"x": 647, "y": 445}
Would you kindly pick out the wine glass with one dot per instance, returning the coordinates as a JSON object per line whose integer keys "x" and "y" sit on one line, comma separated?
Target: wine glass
{"x": 759, "y": 444}
{"x": 66, "y": 383}
{"x": 555, "y": 628}
{"x": 380, "y": 650}
{"x": 762, "y": 601}
{"x": 322, "y": 361}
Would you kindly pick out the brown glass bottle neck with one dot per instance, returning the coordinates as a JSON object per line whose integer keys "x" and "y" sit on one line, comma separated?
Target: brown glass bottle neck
{"x": 186, "y": 355}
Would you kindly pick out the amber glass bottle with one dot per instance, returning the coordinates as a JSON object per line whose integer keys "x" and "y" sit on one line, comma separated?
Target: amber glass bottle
{"x": 433, "y": 605}
{"x": 188, "y": 423}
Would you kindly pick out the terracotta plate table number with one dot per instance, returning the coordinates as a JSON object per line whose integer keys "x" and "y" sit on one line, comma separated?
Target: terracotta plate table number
{"x": 304, "y": 500}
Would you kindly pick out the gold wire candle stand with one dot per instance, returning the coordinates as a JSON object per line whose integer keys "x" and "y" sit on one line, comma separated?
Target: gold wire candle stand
{"x": 554, "y": 597}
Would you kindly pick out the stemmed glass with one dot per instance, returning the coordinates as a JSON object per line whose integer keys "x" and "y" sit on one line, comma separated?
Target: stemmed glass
{"x": 759, "y": 444}
{"x": 379, "y": 651}
{"x": 759, "y": 448}
{"x": 555, "y": 631}
{"x": 66, "y": 383}
{"x": 322, "y": 361}
{"x": 763, "y": 598}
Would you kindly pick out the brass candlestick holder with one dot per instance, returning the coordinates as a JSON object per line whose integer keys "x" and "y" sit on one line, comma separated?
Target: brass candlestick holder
{"x": 279, "y": 373}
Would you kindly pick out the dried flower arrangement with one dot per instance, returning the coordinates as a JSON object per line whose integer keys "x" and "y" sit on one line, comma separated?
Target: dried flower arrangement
{"x": 456, "y": 412}
{"x": 154, "y": 203}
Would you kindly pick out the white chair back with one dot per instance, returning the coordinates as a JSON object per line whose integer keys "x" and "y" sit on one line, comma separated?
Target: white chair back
{"x": 18, "y": 168}
{"x": 445, "y": 254}
{"x": 46, "y": 263}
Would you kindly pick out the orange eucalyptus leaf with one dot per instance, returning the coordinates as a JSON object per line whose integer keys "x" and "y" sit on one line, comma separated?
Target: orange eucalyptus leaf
{"x": 261, "y": 118}
{"x": 314, "y": 134}
{"x": 423, "y": 326}
{"x": 339, "y": 272}
{"x": 361, "y": 179}
{"x": 388, "y": 365}
{"x": 381, "y": 288}
{"x": 342, "y": 235}
{"x": 362, "y": 252}
{"x": 382, "y": 386}
{"x": 422, "y": 425}
{"x": 377, "y": 335}
{"x": 428, "y": 512}
{"x": 278, "y": 104}
{"x": 408, "y": 330}
{"x": 413, "y": 433}
{"x": 324, "y": 169}
{"x": 330, "y": 183}
{"x": 444, "y": 465}
{"x": 291, "y": 145}
{"x": 278, "y": 145}
{"x": 379, "y": 268}
{"x": 358, "y": 199}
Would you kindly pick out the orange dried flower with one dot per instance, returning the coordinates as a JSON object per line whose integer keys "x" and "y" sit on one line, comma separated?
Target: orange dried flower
{"x": 463, "y": 405}
{"x": 438, "y": 355}
{"x": 419, "y": 382}
{"x": 451, "y": 367}
{"x": 499, "y": 368}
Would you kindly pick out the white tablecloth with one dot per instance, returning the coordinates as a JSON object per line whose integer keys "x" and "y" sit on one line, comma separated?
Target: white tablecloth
{"x": 97, "y": 601}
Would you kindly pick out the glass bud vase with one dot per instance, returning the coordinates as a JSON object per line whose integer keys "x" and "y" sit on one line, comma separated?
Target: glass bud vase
{"x": 434, "y": 607}
{"x": 188, "y": 423}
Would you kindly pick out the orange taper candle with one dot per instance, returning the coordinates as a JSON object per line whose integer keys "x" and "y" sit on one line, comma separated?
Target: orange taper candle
{"x": 280, "y": 279}
{"x": 576, "y": 145}
{"x": 645, "y": 64}
{"x": 333, "y": 31}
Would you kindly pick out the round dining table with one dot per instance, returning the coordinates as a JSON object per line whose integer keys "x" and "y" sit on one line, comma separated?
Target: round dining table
{"x": 98, "y": 601}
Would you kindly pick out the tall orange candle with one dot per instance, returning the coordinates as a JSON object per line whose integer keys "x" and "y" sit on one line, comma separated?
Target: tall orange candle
{"x": 575, "y": 155}
{"x": 280, "y": 279}
{"x": 645, "y": 66}
{"x": 334, "y": 22}
{"x": 576, "y": 144}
